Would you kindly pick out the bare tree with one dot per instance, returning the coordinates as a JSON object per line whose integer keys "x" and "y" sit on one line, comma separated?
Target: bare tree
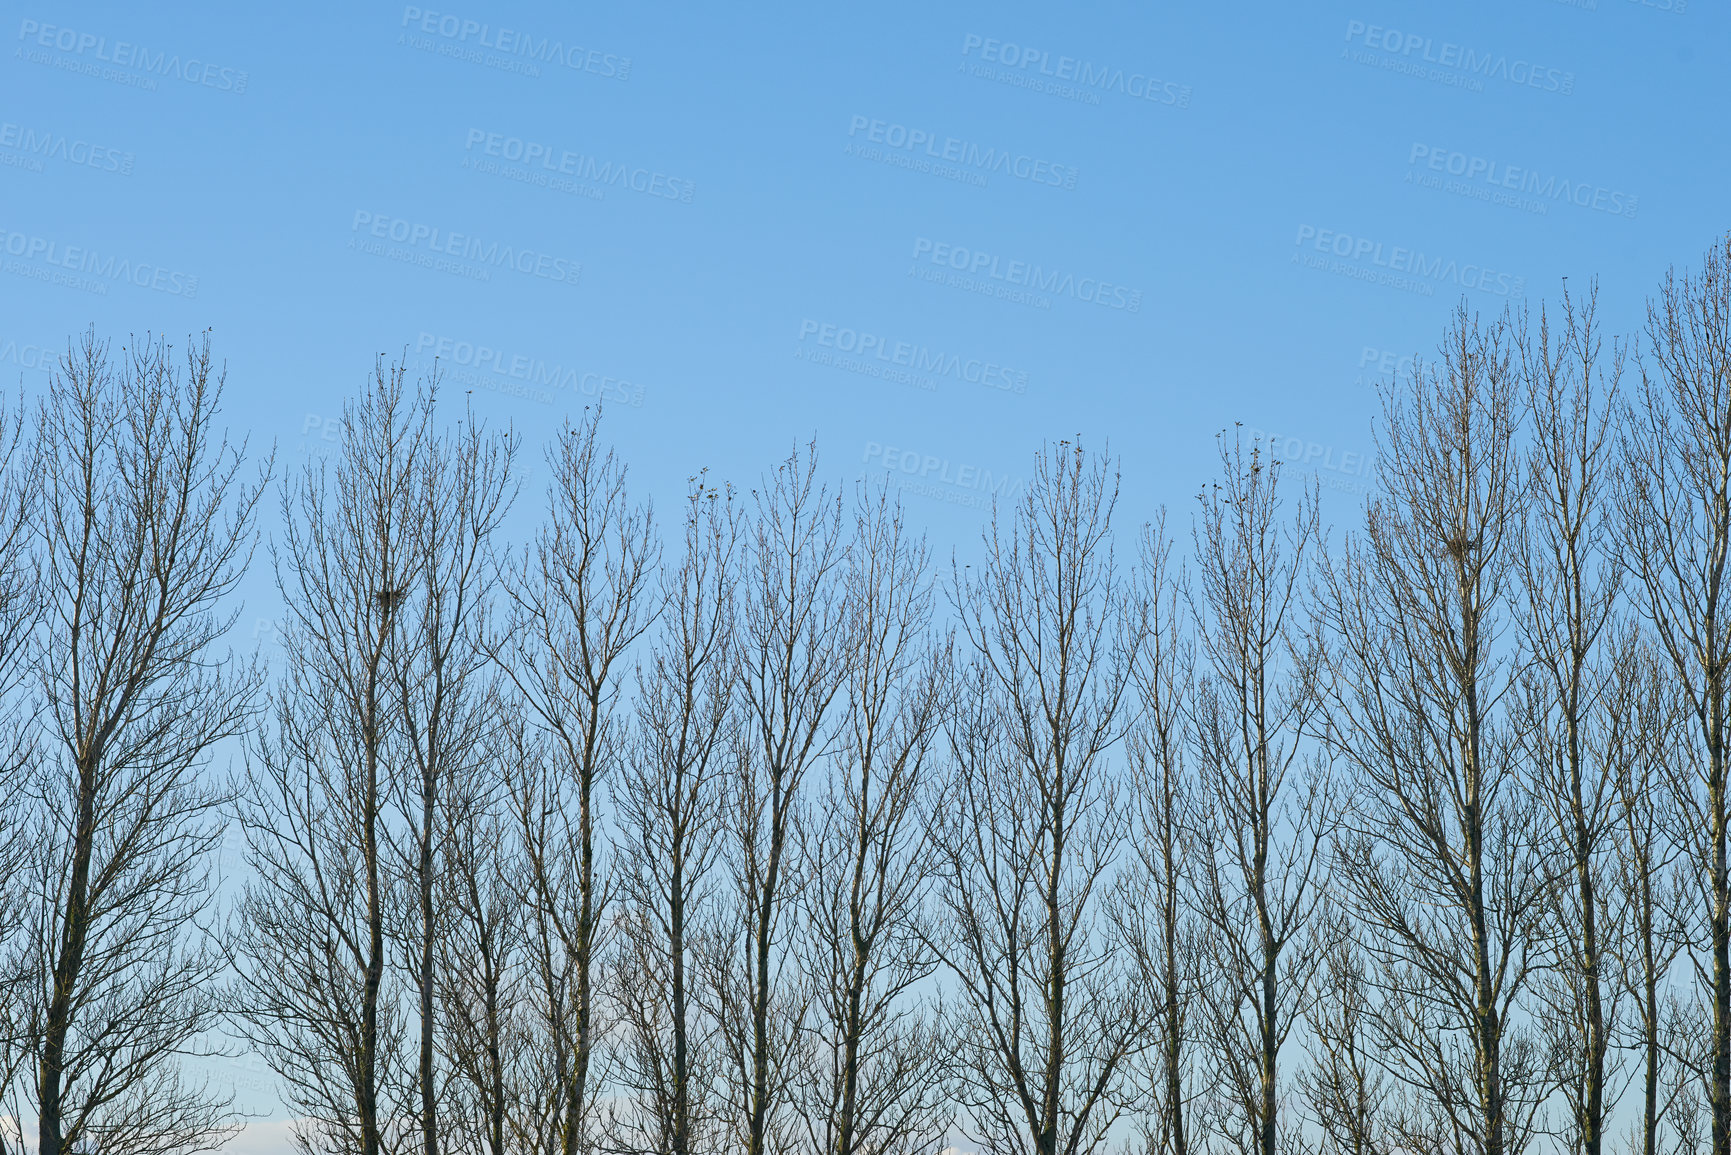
{"x": 440, "y": 668}
{"x": 483, "y": 966}
{"x": 670, "y": 809}
{"x": 1638, "y": 743}
{"x": 1262, "y": 825}
{"x": 791, "y": 663}
{"x": 1346, "y": 1088}
{"x": 1045, "y": 1023}
{"x": 316, "y": 994}
{"x": 1571, "y": 581}
{"x": 143, "y": 531}
{"x": 20, "y": 603}
{"x": 1675, "y": 506}
{"x": 1435, "y": 855}
{"x": 1154, "y": 898}
{"x": 581, "y": 596}
{"x": 877, "y": 1079}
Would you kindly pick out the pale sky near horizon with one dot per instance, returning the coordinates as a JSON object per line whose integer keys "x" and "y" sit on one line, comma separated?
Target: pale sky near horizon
{"x": 931, "y": 236}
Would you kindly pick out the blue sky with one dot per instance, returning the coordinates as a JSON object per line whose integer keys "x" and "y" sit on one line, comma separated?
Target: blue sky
{"x": 307, "y": 165}
{"x": 932, "y": 236}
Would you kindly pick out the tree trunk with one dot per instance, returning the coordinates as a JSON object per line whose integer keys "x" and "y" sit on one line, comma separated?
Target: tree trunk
{"x": 69, "y": 960}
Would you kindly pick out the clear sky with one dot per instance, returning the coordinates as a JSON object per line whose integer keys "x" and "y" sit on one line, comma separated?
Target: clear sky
{"x": 932, "y": 236}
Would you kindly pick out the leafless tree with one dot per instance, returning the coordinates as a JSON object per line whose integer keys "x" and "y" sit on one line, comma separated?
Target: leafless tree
{"x": 1639, "y": 744}
{"x": 1265, "y": 820}
{"x": 20, "y": 603}
{"x": 791, "y": 663}
{"x": 1045, "y": 1021}
{"x": 440, "y": 669}
{"x": 143, "y": 531}
{"x": 876, "y": 1082}
{"x": 316, "y": 994}
{"x": 1435, "y": 856}
{"x": 1346, "y": 1088}
{"x": 484, "y": 965}
{"x": 1154, "y": 897}
{"x": 1675, "y": 507}
{"x": 1447, "y": 809}
{"x": 669, "y": 805}
{"x": 1571, "y": 581}
{"x": 582, "y": 595}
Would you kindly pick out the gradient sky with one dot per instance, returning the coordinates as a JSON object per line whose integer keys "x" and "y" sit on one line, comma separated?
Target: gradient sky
{"x": 706, "y": 216}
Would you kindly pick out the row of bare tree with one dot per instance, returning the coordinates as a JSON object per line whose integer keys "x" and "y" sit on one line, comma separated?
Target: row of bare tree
{"x": 771, "y": 837}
